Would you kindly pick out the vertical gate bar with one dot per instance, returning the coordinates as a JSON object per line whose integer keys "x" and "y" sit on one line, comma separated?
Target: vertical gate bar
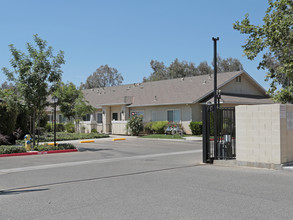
{"x": 204, "y": 134}
{"x": 234, "y": 132}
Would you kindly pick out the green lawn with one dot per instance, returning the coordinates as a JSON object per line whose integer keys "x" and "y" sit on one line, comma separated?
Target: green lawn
{"x": 163, "y": 136}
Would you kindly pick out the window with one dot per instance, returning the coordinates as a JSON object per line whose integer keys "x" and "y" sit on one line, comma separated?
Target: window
{"x": 159, "y": 115}
{"x": 173, "y": 115}
{"x": 62, "y": 119}
{"x": 87, "y": 117}
{"x": 100, "y": 118}
{"x": 138, "y": 113}
{"x": 238, "y": 79}
{"x": 115, "y": 116}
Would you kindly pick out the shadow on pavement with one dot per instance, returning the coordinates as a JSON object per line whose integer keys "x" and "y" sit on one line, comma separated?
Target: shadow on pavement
{"x": 15, "y": 192}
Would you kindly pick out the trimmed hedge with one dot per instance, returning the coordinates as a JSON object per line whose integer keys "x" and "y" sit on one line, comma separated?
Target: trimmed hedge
{"x": 196, "y": 127}
{"x": 8, "y": 149}
{"x": 159, "y": 126}
{"x": 148, "y": 128}
{"x": 64, "y": 136}
{"x": 46, "y": 147}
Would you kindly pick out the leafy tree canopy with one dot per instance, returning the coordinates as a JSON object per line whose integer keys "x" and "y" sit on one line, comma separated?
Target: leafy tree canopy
{"x": 104, "y": 76}
{"x": 274, "y": 40}
{"x": 179, "y": 69}
{"x": 71, "y": 101}
{"x": 35, "y": 74}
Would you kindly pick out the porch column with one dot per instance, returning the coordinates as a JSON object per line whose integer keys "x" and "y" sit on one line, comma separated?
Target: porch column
{"x": 124, "y": 113}
{"x": 93, "y": 123}
{"x": 106, "y": 119}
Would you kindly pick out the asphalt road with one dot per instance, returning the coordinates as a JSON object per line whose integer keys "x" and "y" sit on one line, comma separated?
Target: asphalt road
{"x": 139, "y": 179}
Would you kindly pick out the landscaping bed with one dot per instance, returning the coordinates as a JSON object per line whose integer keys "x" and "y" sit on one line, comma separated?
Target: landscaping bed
{"x": 65, "y": 136}
{"x": 10, "y": 150}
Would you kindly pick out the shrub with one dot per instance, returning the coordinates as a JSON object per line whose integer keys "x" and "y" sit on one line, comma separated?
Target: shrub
{"x": 148, "y": 128}
{"x": 11, "y": 149}
{"x": 60, "y": 127}
{"x": 63, "y": 146}
{"x": 64, "y": 136}
{"x": 94, "y": 130}
{"x": 70, "y": 127}
{"x": 159, "y": 126}
{"x": 8, "y": 120}
{"x": 196, "y": 127}
{"x": 48, "y": 127}
{"x": 135, "y": 125}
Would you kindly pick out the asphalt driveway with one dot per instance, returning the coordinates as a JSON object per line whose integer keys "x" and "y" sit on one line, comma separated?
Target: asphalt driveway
{"x": 139, "y": 179}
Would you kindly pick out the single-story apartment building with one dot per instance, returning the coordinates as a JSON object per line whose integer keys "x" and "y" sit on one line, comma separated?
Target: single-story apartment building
{"x": 178, "y": 100}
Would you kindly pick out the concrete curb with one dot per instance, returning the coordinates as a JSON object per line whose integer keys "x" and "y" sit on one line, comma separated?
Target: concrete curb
{"x": 38, "y": 153}
{"x": 118, "y": 139}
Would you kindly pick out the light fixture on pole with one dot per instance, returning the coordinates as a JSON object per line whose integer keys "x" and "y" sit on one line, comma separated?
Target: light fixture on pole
{"x": 54, "y": 101}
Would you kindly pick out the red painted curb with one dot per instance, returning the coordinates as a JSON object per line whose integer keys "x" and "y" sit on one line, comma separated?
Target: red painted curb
{"x": 38, "y": 153}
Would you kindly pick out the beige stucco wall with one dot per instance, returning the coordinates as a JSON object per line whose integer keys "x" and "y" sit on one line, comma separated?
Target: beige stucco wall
{"x": 185, "y": 113}
{"x": 196, "y": 112}
{"x": 262, "y": 135}
{"x": 243, "y": 87}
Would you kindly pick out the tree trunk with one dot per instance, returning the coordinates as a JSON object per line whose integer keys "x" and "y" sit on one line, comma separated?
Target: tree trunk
{"x": 34, "y": 127}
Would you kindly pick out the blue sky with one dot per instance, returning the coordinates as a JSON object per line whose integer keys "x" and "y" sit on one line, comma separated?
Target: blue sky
{"x": 127, "y": 34}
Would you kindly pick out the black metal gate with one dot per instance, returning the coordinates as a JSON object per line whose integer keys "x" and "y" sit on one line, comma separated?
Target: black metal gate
{"x": 224, "y": 147}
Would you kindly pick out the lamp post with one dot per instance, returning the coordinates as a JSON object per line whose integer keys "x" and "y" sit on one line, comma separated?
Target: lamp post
{"x": 54, "y": 101}
{"x": 52, "y": 118}
{"x": 215, "y": 39}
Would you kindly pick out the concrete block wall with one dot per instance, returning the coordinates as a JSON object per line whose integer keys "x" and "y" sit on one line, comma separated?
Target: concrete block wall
{"x": 262, "y": 136}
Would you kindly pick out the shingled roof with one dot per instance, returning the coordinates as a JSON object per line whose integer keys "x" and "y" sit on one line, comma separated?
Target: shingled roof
{"x": 187, "y": 90}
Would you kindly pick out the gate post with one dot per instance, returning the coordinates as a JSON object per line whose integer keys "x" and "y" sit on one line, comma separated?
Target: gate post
{"x": 204, "y": 135}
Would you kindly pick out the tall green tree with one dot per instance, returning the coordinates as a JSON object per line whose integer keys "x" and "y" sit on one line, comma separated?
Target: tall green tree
{"x": 104, "y": 76}
{"x": 204, "y": 68}
{"x": 35, "y": 74}
{"x": 274, "y": 40}
{"x": 228, "y": 65}
{"x": 179, "y": 69}
{"x": 72, "y": 102}
{"x": 160, "y": 72}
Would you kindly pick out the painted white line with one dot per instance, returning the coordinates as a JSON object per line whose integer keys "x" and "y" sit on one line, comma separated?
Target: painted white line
{"x": 69, "y": 164}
